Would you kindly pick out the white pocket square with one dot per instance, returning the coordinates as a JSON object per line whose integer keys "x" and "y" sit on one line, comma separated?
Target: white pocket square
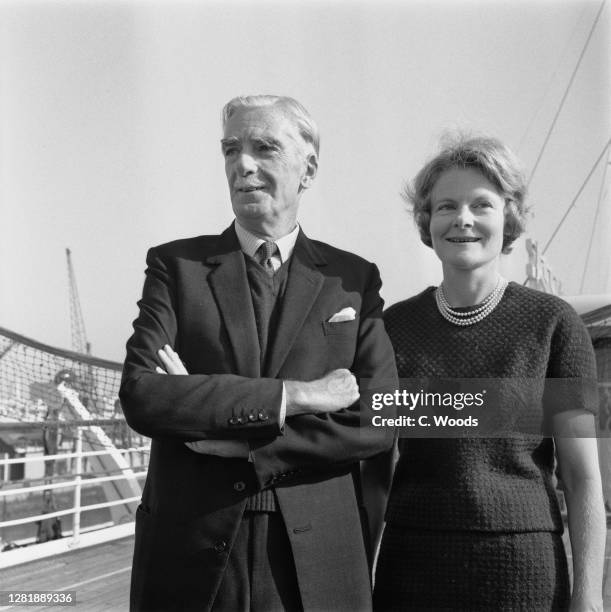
{"x": 345, "y": 314}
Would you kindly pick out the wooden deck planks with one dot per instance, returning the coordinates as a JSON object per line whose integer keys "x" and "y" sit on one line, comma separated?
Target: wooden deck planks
{"x": 99, "y": 574}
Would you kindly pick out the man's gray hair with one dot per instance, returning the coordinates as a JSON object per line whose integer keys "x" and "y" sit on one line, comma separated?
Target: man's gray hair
{"x": 294, "y": 110}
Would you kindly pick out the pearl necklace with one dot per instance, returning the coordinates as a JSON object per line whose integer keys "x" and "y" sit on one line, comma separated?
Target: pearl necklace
{"x": 458, "y": 317}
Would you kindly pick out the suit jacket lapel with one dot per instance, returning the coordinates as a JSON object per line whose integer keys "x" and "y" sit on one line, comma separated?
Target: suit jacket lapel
{"x": 229, "y": 284}
{"x": 303, "y": 286}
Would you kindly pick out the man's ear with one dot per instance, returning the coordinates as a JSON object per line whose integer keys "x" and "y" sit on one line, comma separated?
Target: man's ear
{"x": 310, "y": 171}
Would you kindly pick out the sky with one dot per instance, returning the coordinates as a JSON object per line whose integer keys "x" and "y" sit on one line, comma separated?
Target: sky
{"x": 110, "y": 128}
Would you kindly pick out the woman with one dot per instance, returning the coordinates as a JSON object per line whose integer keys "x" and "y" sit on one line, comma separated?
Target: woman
{"x": 473, "y": 523}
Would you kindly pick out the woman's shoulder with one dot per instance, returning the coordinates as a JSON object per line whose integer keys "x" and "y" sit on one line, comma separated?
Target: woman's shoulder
{"x": 406, "y": 308}
{"x": 545, "y": 304}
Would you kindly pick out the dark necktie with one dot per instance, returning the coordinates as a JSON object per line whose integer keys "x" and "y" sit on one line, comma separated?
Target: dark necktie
{"x": 264, "y": 256}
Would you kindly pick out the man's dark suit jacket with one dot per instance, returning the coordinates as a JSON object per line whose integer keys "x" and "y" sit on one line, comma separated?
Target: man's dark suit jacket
{"x": 196, "y": 298}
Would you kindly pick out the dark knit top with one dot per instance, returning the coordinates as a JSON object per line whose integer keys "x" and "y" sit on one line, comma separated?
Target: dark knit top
{"x": 486, "y": 484}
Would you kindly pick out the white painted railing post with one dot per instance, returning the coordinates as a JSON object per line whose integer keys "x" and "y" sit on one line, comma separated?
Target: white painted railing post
{"x": 76, "y": 524}
{"x": 5, "y": 469}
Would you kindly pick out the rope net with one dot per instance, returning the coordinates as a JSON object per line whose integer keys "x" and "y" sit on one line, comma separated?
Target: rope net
{"x": 49, "y": 398}
{"x": 30, "y": 374}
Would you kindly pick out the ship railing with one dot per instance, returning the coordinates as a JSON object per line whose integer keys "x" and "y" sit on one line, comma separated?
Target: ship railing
{"x": 125, "y": 487}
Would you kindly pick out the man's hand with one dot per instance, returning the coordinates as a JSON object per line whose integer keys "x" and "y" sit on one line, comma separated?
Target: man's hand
{"x": 222, "y": 448}
{"x": 171, "y": 361}
{"x": 337, "y": 390}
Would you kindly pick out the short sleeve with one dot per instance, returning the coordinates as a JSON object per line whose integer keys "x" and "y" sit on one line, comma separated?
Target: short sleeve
{"x": 571, "y": 381}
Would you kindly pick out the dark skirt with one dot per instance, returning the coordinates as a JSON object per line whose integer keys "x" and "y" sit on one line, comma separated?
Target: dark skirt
{"x": 461, "y": 570}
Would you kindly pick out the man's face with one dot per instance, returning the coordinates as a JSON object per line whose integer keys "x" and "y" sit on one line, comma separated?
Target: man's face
{"x": 268, "y": 165}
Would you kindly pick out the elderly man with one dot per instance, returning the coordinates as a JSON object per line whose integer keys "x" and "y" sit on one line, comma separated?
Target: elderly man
{"x": 254, "y": 497}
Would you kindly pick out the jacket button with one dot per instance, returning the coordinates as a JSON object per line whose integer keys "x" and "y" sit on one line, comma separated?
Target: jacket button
{"x": 239, "y": 486}
{"x": 219, "y": 547}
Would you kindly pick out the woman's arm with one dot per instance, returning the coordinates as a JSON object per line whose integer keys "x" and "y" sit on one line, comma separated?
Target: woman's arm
{"x": 580, "y": 472}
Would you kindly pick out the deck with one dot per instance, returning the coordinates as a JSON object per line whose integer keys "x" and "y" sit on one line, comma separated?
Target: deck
{"x": 100, "y": 576}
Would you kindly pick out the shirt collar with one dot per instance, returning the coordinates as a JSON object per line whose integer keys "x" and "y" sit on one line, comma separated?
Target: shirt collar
{"x": 249, "y": 243}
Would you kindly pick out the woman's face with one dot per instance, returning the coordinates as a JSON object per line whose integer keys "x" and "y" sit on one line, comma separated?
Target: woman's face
{"x": 467, "y": 219}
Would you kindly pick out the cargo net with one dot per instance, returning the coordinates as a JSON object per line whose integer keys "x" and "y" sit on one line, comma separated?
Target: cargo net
{"x": 54, "y": 403}
{"x": 34, "y": 384}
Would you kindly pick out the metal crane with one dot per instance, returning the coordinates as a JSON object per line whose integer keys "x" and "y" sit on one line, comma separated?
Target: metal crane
{"x": 77, "y": 323}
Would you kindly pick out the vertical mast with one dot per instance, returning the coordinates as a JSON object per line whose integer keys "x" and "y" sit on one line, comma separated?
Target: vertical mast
{"x": 77, "y": 323}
